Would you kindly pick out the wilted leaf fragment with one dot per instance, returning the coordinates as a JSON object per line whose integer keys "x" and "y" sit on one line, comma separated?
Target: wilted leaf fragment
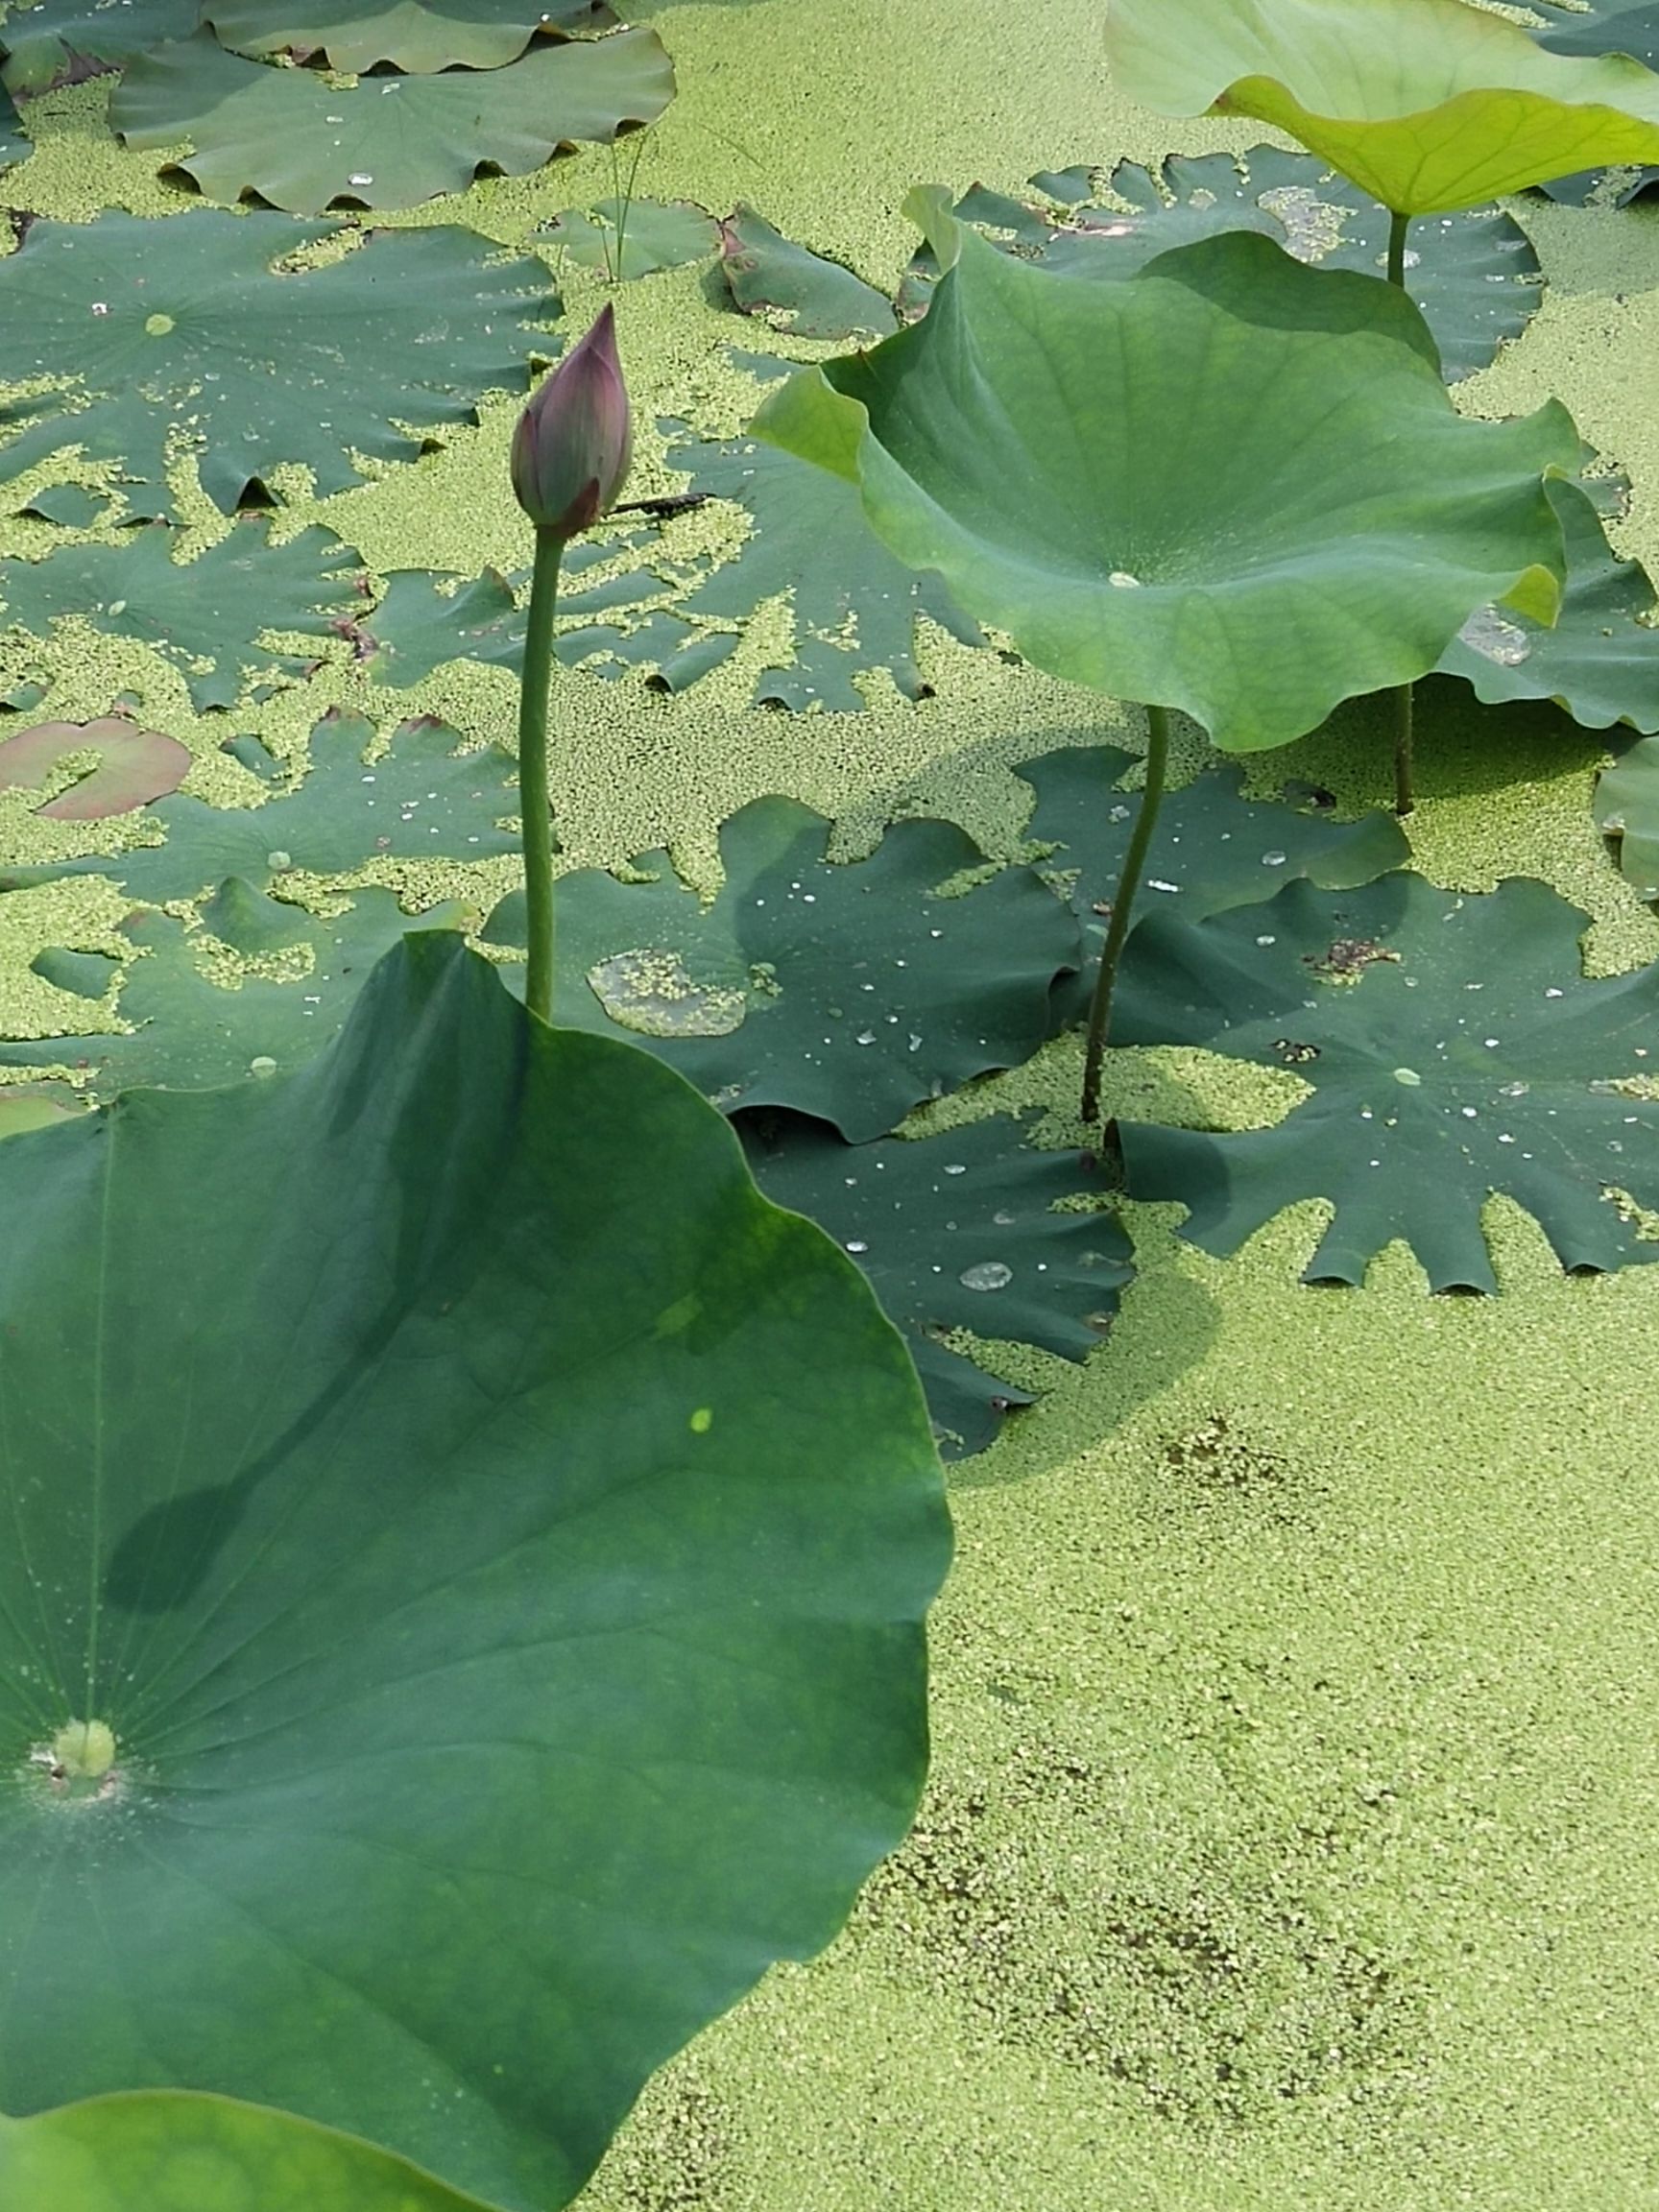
{"x": 156, "y": 332}
{"x": 1454, "y": 1049}
{"x": 1427, "y": 105}
{"x": 293, "y": 139}
{"x": 1230, "y": 484}
{"x": 543, "y": 1625}
{"x": 418, "y": 36}
{"x": 795, "y": 290}
{"x": 133, "y": 766}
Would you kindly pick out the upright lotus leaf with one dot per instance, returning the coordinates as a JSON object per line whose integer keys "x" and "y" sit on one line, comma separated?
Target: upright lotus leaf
{"x": 850, "y": 992}
{"x": 485, "y": 1547}
{"x": 420, "y": 799}
{"x": 1627, "y": 816}
{"x": 132, "y": 766}
{"x": 191, "y": 1018}
{"x": 1453, "y": 1048}
{"x": 1601, "y": 662}
{"x": 1230, "y": 484}
{"x": 206, "y": 333}
{"x": 168, "y": 2151}
{"x": 1427, "y": 105}
{"x": 61, "y": 40}
{"x": 296, "y": 140}
{"x": 959, "y": 1230}
{"x": 1473, "y": 274}
{"x": 794, "y": 289}
{"x": 418, "y": 35}
{"x": 208, "y": 616}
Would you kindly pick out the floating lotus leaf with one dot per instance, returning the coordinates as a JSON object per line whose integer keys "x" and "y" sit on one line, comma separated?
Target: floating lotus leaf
{"x": 133, "y": 766}
{"x": 497, "y": 1542}
{"x": 847, "y": 992}
{"x": 795, "y": 290}
{"x": 196, "y": 329}
{"x": 194, "y": 1020}
{"x": 957, "y": 1232}
{"x": 1604, "y": 27}
{"x": 1475, "y": 275}
{"x": 652, "y": 236}
{"x": 207, "y": 616}
{"x": 418, "y": 36}
{"x": 171, "y": 2151}
{"x": 1454, "y": 1049}
{"x": 1627, "y": 816}
{"x": 292, "y": 139}
{"x": 1229, "y": 484}
{"x": 13, "y": 145}
{"x": 1601, "y": 662}
{"x": 419, "y": 625}
{"x": 420, "y": 800}
{"x": 64, "y": 40}
{"x": 1427, "y": 105}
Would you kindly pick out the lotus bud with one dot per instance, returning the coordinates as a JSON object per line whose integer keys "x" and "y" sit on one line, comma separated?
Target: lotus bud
{"x": 574, "y": 441}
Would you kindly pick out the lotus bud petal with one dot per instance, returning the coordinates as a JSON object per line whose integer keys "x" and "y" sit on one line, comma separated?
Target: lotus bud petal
{"x": 574, "y": 441}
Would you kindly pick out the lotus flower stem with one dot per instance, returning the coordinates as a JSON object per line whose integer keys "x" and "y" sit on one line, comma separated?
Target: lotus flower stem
{"x": 535, "y": 807}
{"x": 1117, "y": 927}
{"x": 1405, "y": 708}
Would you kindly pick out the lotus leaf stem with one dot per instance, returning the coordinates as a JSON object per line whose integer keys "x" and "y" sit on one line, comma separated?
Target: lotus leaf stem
{"x": 534, "y": 805}
{"x": 1117, "y": 927}
{"x": 1405, "y": 799}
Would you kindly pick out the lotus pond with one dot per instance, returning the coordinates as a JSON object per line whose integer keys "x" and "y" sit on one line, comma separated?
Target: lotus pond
{"x": 888, "y": 1449}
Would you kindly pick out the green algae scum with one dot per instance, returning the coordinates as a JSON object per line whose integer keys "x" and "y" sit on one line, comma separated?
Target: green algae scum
{"x": 1289, "y": 1836}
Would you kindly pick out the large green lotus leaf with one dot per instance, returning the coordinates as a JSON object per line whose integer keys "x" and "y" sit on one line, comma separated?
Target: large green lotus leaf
{"x": 295, "y": 140}
{"x": 130, "y": 766}
{"x": 197, "y": 329}
{"x": 498, "y": 1541}
{"x": 418, "y": 801}
{"x": 1427, "y": 105}
{"x": 207, "y": 616}
{"x": 168, "y": 2151}
{"x": 64, "y": 40}
{"x": 1473, "y": 274}
{"x": 850, "y": 992}
{"x": 194, "y": 1020}
{"x": 1627, "y": 816}
{"x": 418, "y": 35}
{"x": 795, "y": 290}
{"x": 1601, "y": 662}
{"x": 1230, "y": 484}
{"x": 1454, "y": 1049}
{"x": 957, "y": 1232}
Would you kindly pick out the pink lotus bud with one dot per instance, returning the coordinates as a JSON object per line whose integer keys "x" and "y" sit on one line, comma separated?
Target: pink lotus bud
{"x": 574, "y": 441}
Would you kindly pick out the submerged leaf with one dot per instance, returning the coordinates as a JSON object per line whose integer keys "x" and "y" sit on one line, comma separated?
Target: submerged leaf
{"x": 205, "y": 333}
{"x": 134, "y": 766}
{"x": 498, "y": 1543}
{"x": 1427, "y": 105}
{"x": 299, "y": 142}
{"x": 1454, "y": 1049}
{"x": 1229, "y": 484}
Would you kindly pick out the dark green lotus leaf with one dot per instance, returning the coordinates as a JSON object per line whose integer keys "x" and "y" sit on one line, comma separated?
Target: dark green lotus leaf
{"x": 1601, "y": 662}
{"x": 1427, "y": 105}
{"x": 957, "y": 1232}
{"x": 294, "y": 139}
{"x": 418, "y": 35}
{"x": 207, "y": 615}
{"x": 163, "y": 2150}
{"x": 652, "y": 236}
{"x": 1454, "y": 1049}
{"x": 14, "y": 146}
{"x": 1475, "y": 275}
{"x": 1627, "y": 816}
{"x": 426, "y": 620}
{"x": 196, "y": 331}
{"x": 194, "y": 1020}
{"x": 1228, "y": 484}
{"x": 1212, "y": 848}
{"x": 850, "y": 992}
{"x": 132, "y": 766}
{"x": 420, "y": 801}
{"x": 1602, "y": 27}
{"x": 795, "y": 290}
{"x": 60, "y": 40}
{"x": 497, "y": 1542}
